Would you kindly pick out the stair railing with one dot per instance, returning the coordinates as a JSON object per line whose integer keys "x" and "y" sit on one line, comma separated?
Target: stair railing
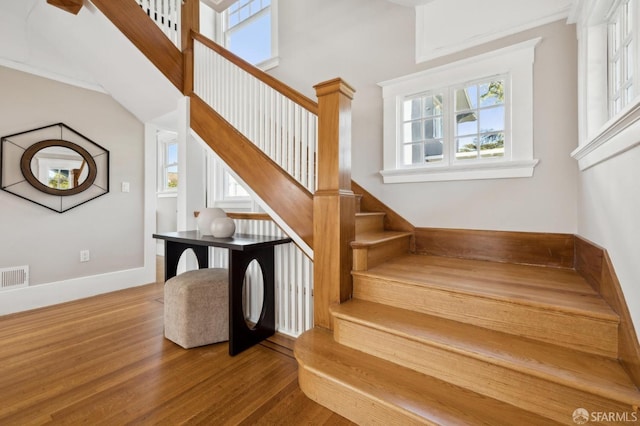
{"x": 166, "y": 15}
{"x": 312, "y": 142}
{"x": 293, "y": 277}
{"x": 278, "y": 120}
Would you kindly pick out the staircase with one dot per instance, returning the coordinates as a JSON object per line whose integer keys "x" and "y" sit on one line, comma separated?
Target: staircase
{"x": 435, "y": 340}
{"x": 425, "y": 339}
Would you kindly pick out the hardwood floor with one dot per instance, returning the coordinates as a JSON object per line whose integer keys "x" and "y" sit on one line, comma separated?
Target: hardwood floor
{"x": 104, "y": 360}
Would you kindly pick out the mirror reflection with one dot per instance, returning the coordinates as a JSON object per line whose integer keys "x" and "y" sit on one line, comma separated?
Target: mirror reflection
{"x": 53, "y": 166}
{"x": 59, "y": 167}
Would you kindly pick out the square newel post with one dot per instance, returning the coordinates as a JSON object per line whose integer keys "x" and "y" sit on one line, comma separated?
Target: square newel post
{"x": 190, "y": 15}
{"x": 333, "y": 201}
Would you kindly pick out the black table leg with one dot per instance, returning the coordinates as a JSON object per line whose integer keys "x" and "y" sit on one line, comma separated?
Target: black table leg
{"x": 172, "y": 252}
{"x": 241, "y": 336}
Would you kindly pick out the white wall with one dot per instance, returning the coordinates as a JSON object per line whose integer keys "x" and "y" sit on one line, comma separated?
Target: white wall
{"x": 368, "y": 41}
{"x": 609, "y": 215}
{"x": 112, "y": 227}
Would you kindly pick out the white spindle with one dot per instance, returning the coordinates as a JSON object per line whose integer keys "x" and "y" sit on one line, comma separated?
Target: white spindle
{"x": 282, "y": 129}
{"x": 166, "y": 15}
{"x": 293, "y": 280}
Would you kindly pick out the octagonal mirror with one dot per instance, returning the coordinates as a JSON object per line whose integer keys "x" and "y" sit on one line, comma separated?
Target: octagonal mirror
{"x": 54, "y": 166}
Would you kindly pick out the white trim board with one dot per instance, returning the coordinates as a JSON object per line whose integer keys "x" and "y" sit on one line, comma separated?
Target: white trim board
{"x": 38, "y": 296}
{"x": 436, "y": 37}
{"x": 30, "y": 69}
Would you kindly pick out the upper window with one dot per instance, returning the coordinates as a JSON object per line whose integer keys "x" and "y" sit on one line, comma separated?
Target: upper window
{"x": 249, "y": 30}
{"x": 620, "y": 43}
{"x": 609, "y": 101}
{"x": 471, "y": 119}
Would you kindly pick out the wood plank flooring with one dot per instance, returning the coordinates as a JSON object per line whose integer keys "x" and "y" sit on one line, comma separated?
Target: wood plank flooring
{"x": 104, "y": 360}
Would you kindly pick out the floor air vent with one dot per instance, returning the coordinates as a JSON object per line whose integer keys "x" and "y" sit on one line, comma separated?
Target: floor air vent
{"x": 15, "y": 277}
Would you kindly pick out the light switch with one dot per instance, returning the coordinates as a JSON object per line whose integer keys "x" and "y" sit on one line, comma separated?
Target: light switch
{"x": 126, "y": 187}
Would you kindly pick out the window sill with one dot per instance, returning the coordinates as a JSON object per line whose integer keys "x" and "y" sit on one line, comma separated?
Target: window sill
{"x": 167, "y": 194}
{"x": 239, "y": 204}
{"x": 269, "y": 63}
{"x": 618, "y": 135}
{"x": 502, "y": 170}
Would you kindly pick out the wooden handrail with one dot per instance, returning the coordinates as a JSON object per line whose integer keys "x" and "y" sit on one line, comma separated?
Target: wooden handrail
{"x": 249, "y": 215}
{"x": 274, "y": 83}
{"x": 146, "y": 36}
{"x": 71, "y": 6}
{"x": 288, "y": 199}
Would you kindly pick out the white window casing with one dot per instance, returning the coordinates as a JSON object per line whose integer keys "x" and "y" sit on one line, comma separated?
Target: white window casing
{"x": 166, "y": 139}
{"x": 603, "y": 134}
{"x": 514, "y": 64}
{"x": 222, "y": 32}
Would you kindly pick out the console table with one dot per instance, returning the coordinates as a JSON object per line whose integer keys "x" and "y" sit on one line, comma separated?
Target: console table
{"x": 243, "y": 248}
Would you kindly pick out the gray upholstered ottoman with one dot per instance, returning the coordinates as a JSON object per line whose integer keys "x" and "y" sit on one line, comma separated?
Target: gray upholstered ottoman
{"x": 196, "y": 307}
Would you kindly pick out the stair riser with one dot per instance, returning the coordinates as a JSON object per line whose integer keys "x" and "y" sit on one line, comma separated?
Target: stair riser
{"x": 531, "y": 393}
{"x": 369, "y": 223}
{"x": 588, "y": 334}
{"x": 368, "y": 257}
{"x": 355, "y": 406}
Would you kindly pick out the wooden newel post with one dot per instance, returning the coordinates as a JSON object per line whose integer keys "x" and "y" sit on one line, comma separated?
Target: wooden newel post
{"x": 333, "y": 201}
{"x": 190, "y": 14}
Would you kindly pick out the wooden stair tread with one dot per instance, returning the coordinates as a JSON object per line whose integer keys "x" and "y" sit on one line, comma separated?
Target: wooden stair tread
{"x": 421, "y": 397}
{"x": 596, "y": 374}
{"x": 552, "y": 288}
{"x": 375, "y": 238}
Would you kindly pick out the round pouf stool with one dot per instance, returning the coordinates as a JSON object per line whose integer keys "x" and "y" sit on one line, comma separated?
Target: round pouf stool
{"x": 196, "y": 307}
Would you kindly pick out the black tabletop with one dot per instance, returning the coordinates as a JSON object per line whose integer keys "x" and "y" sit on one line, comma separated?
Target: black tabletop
{"x": 236, "y": 242}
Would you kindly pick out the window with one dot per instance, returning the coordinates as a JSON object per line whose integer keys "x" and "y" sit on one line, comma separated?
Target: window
{"x": 249, "y": 30}
{"x": 471, "y": 119}
{"x": 478, "y": 111}
{"x": 422, "y": 125}
{"x": 620, "y": 44}
{"x": 609, "y": 105}
{"x": 168, "y": 162}
{"x": 58, "y": 178}
{"x": 480, "y": 120}
{"x": 225, "y": 190}
{"x": 232, "y": 189}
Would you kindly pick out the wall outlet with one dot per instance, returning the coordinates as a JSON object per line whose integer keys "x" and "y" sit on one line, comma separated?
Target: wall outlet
{"x": 85, "y": 256}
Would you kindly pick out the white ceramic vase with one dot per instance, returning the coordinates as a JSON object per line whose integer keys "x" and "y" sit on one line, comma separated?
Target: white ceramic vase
{"x": 207, "y": 216}
{"x": 223, "y": 227}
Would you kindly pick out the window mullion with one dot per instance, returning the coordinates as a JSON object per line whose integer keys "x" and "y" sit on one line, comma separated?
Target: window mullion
{"x": 450, "y": 136}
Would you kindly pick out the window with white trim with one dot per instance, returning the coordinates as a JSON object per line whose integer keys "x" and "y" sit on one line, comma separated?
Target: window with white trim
{"x": 478, "y": 112}
{"x": 225, "y": 190}
{"x": 249, "y": 29}
{"x": 471, "y": 119}
{"x": 609, "y": 99}
{"x": 232, "y": 189}
{"x": 168, "y": 162}
{"x": 480, "y": 119}
{"x": 620, "y": 60}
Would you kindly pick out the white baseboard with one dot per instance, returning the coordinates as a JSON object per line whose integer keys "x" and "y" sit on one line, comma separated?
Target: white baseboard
{"x": 38, "y": 296}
